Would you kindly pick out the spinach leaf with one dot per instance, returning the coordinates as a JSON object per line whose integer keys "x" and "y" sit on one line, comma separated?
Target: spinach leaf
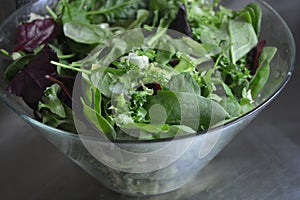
{"x": 170, "y": 103}
{"x": 184, "y": 82}
{"x": 194, "y": 111}
{"x": 104, "y": 82}
{"x": 118, "y": 46}
{"x": 80, "y": 23}
{"x": 232, "y": 106}
{"x": 211, "y": 113}
{"x": 190, "y": 47}
{"x": 190, "y": 53}
{"x": 174, "y": 131}
{"x": 98, "y": 121}
{"x": 78, "y": 48}
{"x": 148, "y": 128}
{"x": 19, "y": 64}
{"x": 85, "y": 33}
{"x": 214, "y": 36}
{"x": 73, "y": 10}
{"x": 230, "y": 102}
{"x": 117, "y": 9}
{"x": 253, "y": 15}
{"x": 156, "y": 131}
{"x": 242, "y": 38}
{"x": 261, "y": 76}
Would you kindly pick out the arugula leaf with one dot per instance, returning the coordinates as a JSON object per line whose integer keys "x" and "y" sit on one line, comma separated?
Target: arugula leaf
{"x": 139, "y": 98}
{"x": 54, "y": 112}
{"x": 52, "y": 102}
{"x": 55, "y": 121}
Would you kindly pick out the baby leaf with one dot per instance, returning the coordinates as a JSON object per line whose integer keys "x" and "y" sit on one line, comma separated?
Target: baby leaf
{"x": 262, "y": 75}
{"x": 242, "y": 37}
{"x": 17, "y": 65}
{"x": 85, "y": 33}
{"x": 98, "y": 121}
{"x": 253, "y": 14}
{"x": 52, "y": 102}
{"x": 180, "y": 23}
{"x": 30, "y": 83}
{"x": 33, "y": 34}
{"x": 184, "y": 82}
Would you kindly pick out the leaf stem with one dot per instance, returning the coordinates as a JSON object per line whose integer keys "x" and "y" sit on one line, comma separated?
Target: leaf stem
{"x": 218, "y": 60}
{"x": 63, "y": 57}
{"x": 54, "y": 80}
{"x": 70, "y": 67}
{"x": 4, "y": 52}
{"x": 52, "y": 13}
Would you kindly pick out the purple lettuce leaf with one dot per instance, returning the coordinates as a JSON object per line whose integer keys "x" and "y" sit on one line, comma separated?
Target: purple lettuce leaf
{"x": 30, "y": 83}
{"x": 33, "y": 34}
{"x": 253, "y": 57}
{"x": 180, "y": 23}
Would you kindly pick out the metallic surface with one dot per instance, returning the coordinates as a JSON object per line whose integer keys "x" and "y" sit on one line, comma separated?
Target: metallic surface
{"x": 263, "y": 162}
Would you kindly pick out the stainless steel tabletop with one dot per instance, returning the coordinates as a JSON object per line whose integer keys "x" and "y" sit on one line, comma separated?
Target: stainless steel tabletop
{"x": 263, "y": 162}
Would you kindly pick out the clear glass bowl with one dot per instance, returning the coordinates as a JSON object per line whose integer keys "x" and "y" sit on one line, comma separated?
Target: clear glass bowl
{"x": 202, "y": 147}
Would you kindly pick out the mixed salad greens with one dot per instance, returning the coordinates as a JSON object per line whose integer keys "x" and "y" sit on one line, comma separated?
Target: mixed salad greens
{"x": 146, "y": 79}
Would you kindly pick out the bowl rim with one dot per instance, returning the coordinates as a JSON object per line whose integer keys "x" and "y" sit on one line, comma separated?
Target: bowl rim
{"x": 219, "y": 127}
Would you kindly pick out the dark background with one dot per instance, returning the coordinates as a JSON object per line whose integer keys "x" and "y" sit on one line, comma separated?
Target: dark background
{"x": 263, "y": 162}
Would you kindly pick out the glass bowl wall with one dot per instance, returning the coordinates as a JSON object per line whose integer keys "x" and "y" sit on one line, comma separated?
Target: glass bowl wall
{"x": 204, "y": 146}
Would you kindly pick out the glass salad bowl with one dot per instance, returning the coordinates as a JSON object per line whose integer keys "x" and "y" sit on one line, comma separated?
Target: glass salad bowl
{"x": 162, "y": 165}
